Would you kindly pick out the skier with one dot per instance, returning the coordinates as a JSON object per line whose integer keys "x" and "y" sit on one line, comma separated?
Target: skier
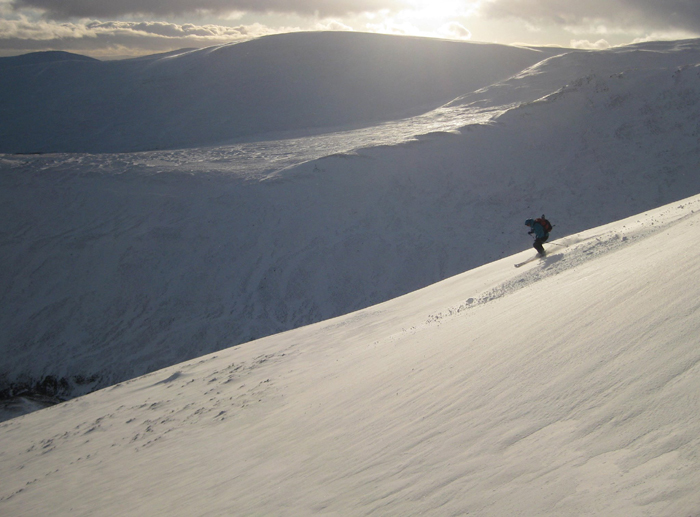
{"x": 540, "y": 228}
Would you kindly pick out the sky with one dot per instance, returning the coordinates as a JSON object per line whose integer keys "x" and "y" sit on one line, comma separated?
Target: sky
{"x": 109, "y": 29}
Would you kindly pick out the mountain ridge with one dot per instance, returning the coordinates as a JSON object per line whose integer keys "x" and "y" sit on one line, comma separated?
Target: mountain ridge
{"x": 209, "y": 96}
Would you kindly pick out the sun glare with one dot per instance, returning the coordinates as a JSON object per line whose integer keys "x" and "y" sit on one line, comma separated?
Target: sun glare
{"x": 438, "y": 8}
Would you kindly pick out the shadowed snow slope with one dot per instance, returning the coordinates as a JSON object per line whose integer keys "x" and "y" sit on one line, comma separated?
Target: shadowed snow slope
{"x": 199, "y": 97}
{"x": 114, "y": 266}
{"x": 570, "y": 386}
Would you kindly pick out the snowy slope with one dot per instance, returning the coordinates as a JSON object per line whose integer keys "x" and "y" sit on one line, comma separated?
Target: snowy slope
{"x": 569, "y": 387}
{"x": 298, "y": 81}
{"x": 118, "y": 265}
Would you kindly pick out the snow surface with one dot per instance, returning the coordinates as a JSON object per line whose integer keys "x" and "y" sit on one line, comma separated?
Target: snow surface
{"x": 570, "y": 386}
{"x": 117, "y": 265}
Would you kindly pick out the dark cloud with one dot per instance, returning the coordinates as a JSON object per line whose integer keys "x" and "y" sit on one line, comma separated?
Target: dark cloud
{"x": 646, "y": 14}
{"x": 64, "y": 9}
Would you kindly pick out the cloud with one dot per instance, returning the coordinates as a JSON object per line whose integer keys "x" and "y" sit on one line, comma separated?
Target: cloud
{"x": 628, "y": 14}
{"x": 125, "y": 39}
{"x": 601, "y": 44}
{"x": 665, "y": 35}
{"x": 66, "y": 9}
{"x": 392, "y": 27}
{"x": 455, "y": 30}
{"x": 333, "y": 25}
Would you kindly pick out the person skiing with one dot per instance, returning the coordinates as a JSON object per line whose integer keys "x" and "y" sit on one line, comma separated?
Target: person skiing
{"x": 540, "y": 228}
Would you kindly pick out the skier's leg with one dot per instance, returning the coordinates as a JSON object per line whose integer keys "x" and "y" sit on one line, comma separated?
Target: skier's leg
{"x": 538, "y": 246}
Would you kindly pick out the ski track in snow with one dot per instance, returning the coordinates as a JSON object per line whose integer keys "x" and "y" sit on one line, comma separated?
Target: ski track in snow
{"x": 571, "y": 252}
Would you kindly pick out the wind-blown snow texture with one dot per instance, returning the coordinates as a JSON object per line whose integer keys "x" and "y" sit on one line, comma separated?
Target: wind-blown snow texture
{"x": 568, "y": 387}
{"x": 117, "y": 265}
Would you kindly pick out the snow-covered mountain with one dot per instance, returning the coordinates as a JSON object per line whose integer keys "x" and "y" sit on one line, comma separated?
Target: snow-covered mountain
{"x": 60, "y": 102}
{"x": 116, "y": 265}
{"x": 570, "y": 386}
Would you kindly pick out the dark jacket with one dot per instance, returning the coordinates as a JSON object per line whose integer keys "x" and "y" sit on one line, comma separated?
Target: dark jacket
{"x": 537, "y": 229}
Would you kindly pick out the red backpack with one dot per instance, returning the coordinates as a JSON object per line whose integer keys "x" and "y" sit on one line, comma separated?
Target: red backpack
{"x": 545, "y": 223}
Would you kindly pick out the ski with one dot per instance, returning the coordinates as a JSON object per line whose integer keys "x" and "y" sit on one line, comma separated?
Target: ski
{"x": 531, "y": 259}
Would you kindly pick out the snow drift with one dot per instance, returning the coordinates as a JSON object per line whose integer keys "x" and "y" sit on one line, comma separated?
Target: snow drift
{"x": 568, "y": 387}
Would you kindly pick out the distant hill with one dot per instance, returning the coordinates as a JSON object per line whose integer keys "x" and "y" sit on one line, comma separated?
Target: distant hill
{"x": 40, "y": 58}
{"x": 60, "y": 102}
